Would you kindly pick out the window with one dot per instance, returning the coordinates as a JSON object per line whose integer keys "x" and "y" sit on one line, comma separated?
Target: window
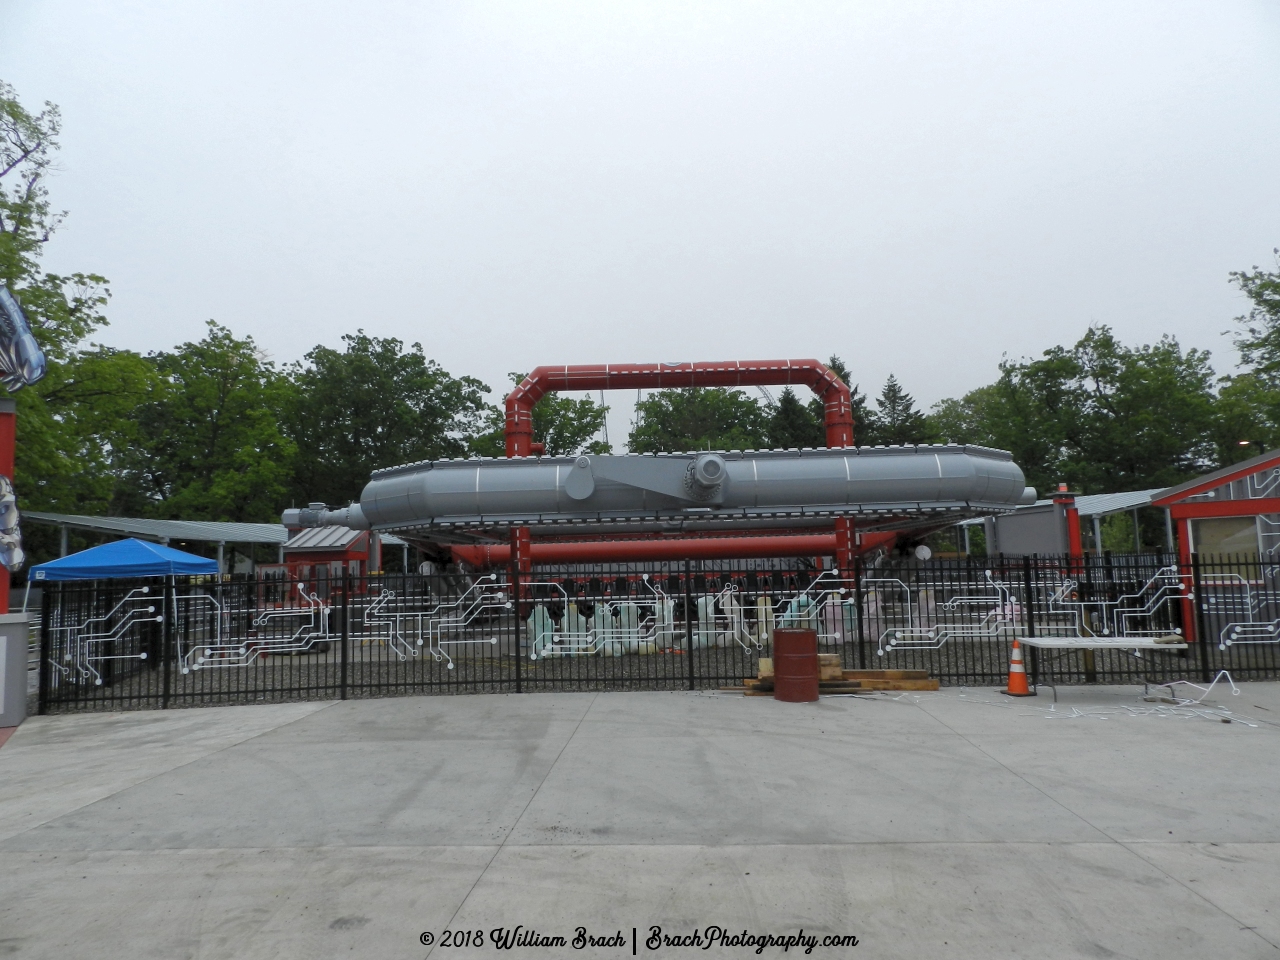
{"x": 1225, "y": 535}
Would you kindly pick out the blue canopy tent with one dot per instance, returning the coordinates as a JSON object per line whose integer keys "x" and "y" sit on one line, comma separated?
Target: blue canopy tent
{"x": 123, "y": 558}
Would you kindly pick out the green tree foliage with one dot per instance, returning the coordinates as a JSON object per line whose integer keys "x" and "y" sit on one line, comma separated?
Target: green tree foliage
{"x": 1117, "y": 533}
{"x": 63, "y": 421}
{"x": 63, "y": 309}
{"x": 897, "y": 421}
{"x": 374, "y": 404}
{"x": 1248, "y": 404}
{"x": 698, "y": 418}
{"x": 1101, "y": 416}
{"x": 974, "y": 418}
{"x": 564, "y": 425}
{"x": 792, "y": 424}
{"x": 1259, "y": 339}
{"x": 75, "y": 424}
{"x": 208, "y": 444}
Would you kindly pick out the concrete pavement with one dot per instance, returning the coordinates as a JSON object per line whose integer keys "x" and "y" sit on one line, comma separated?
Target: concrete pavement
{"x": 957, "y": 825}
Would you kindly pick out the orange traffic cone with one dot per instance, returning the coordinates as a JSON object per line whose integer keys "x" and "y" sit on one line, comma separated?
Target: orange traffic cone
{"x": 1017, "y": 675}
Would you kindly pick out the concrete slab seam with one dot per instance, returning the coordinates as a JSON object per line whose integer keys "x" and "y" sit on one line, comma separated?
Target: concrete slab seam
{"x": 516, "y": 822}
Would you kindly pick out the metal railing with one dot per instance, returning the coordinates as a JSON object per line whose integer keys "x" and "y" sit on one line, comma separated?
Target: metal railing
{"x": 112, "y": 645}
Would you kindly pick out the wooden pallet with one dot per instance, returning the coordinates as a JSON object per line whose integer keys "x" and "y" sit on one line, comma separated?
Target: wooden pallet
{"x": 832, "y": 679}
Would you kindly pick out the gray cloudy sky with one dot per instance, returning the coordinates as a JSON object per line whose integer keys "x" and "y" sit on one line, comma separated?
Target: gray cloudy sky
{"x": 917, "y": 187}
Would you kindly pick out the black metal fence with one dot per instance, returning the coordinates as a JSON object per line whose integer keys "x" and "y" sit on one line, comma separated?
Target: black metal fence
{"x": 113, "y": 645}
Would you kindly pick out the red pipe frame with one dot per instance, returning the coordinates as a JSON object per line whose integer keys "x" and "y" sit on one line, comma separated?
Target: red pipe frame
{"x": 837, "y": 415}
{"x": 837, "y": 405}
{"x": 682, "y": 548}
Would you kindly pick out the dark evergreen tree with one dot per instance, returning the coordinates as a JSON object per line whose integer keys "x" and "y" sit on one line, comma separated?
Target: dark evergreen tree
{"x": 793, "y": 424}
{"x": 897, "y": 421}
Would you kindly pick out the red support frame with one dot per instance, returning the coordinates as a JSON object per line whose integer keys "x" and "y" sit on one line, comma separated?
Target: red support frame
{"x": 836, "y": 401}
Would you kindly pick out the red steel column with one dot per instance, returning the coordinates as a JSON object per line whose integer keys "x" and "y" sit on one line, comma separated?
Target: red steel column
{"x": 846, "y": 546}
{"x": 522, "y": 549}
{"x": 1183, "y": 534}
{"x": 1075, "y": 547}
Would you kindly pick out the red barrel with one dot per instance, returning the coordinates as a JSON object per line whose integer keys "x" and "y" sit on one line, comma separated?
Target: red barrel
{"x": 795, "y": 665}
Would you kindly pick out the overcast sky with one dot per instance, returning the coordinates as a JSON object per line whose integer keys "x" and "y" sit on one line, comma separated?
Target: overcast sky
{"x": 917, "y": 187}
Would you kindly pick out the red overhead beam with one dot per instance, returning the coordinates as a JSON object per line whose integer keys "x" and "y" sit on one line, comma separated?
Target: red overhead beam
{"x": 837, "y": 406}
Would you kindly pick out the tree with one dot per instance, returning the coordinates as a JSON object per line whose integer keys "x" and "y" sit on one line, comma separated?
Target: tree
{"x": 208, "y": 443}
{"x": 1101, "y": 416}
{"x": 698, "y": 418}
{"x": 1248, "y": 403}
{"x": 74, "y": 425}
{"x": 1259, "y": 339}
{"x": 564, "y": 425}
{"x": 65, "y": 420}
{"x": 792, "y": 424}
{"x": 974, "y": 418}
{"x": 374, "y": 404}
{"x": 897, "y": 421}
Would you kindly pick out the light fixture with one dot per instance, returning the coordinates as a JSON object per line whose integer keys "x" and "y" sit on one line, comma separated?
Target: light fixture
{"x": 1245, "y": 443}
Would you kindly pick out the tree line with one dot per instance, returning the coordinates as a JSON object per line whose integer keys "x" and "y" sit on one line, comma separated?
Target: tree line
{"x": 214, "y": 429}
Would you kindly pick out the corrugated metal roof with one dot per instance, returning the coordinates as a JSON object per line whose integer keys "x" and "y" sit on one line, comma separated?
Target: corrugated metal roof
{"x": 1263, "y": 461}
{"x": 324, "y": 538}
{"x": 204, "y": 530}
{"x": 1102, "y": 504}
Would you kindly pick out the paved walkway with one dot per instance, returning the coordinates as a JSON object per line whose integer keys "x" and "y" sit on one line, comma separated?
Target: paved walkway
{"x": 943, "y": 827}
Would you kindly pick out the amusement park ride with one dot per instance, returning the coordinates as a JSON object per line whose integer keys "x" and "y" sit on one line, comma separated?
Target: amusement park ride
{"x": 505, "y": 522}
{"x": 836, "y": 502}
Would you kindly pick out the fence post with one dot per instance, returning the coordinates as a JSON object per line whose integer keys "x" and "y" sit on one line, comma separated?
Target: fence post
{"x": 168, "y": 610}
{"x": 46, "y": 605}
{"x": 858, "y": 596}
{"x": 515, "y": 605}
{"x": 688, "y": 622}
{"x": 346, "y": 634}
{"x": 1029, "y": 618}
{"x": 1202, "y": 636}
